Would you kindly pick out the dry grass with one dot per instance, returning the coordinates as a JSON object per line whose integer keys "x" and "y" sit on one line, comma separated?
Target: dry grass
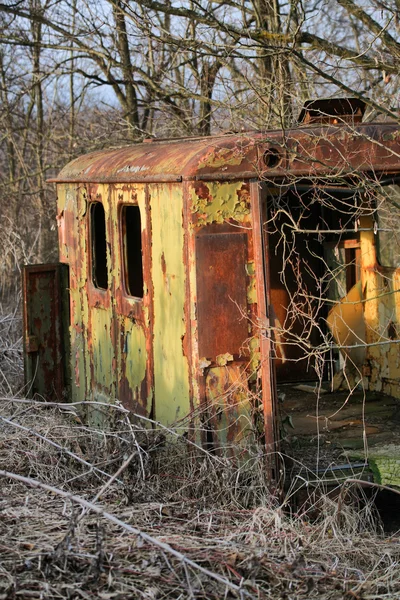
{"x": 217, "y": 515}
{"x": 11, "y": 366}
{"x": 225, "y": 522}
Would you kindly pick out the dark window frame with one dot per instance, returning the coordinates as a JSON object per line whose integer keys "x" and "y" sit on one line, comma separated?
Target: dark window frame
{"x": 99, "y": 268}
{"x": 132, "y": 277}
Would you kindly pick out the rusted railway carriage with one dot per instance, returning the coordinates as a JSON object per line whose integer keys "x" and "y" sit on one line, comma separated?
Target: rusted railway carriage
{"x": 175, "y": 293}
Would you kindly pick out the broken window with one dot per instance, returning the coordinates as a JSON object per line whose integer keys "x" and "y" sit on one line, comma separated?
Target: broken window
{"x": 132, "y": 242}
{"x": 388, "y": 242}
{"x": 98, "y": 245}
{"x": 343, "y": 260}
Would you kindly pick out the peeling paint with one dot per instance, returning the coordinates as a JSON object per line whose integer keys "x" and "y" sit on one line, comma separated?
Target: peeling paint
{"x": 252, "y": 285}
{"x": 215, "y": 203}
{"x": 229, "y": 408}
{"x": 223, "y": 359}
{"x": 171, "y": 365}
{"x": 221, "y": 157}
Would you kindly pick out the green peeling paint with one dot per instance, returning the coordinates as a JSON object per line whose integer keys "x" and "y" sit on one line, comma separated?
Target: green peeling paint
{"x": 131, "y": 352}
{"x": 251, "y": 288}
{"x": 215, "y": 202}
{"x": 221, "y": 157}
{"x": 223, "y": 359}
{"x": 102, "y": 350}
{"x": 171, "y": 372}
{"x": 229, "y": 408}
{"x": 255, "y": 357}
{"x": 134, "y": 349}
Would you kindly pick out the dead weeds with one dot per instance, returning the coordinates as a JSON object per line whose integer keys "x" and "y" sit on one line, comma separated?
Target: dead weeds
{"x": 228, "y": 534}
{"x": 137, "y": 512}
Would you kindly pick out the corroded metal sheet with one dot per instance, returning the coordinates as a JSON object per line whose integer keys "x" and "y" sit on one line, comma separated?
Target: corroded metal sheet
{"x": 221, "y": 293}
{"x": 132, "y": 316}
{"x": 304, "y": 151}
{"x": 229, "y": 409}
{"x": 193, "y": 341}
{"x": 45, "y": 322}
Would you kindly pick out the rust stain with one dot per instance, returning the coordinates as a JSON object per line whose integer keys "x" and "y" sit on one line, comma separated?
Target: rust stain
{"x": 303, "y": 151}
{"x": 244, "y": 194}
{"x": 163, "y": 265}
{"x": 221, "y": 292}
{"x": 202, "y": 191}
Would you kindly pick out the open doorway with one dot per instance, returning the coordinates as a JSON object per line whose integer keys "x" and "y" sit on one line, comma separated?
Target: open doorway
{"x": 314, "y": 261}
{"x": 334, "y": 273}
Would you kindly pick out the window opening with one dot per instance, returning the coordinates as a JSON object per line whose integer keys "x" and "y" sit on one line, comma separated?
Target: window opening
{"x": 352, "y": 255}
{"x": 99, "y": 245}
{"x": 133, "y": 260}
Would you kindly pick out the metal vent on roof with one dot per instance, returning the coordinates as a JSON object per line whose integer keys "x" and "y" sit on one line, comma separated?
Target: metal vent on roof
{"x": 332, "y": 111}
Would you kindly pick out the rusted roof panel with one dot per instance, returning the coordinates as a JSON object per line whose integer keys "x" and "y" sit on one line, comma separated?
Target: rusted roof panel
{"x": 305, "y": 151}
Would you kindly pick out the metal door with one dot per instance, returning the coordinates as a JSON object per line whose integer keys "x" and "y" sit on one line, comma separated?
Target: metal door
{"x": 46, "y": 320}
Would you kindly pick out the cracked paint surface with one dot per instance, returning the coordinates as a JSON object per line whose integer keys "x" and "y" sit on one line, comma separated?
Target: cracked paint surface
{"x": 214, "y": 203}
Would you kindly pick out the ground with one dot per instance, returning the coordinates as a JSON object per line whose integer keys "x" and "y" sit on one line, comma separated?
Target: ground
{"x": 339, "y": 434}
{"x": 190, "y": 524}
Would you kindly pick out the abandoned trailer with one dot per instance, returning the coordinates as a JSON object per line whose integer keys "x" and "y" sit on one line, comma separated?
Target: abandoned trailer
{"x": 199, "y": 276}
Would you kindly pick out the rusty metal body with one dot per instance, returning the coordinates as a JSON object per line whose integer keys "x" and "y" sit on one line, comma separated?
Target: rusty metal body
{"x": 196, "y": 347}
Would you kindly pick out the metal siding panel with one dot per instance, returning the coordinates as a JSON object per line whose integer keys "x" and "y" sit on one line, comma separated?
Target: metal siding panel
{"x": 221, "y": 293}
{"x": 171, "y": 369}
{"x": 303, "y": 151}
{"x": 134, "y": 376}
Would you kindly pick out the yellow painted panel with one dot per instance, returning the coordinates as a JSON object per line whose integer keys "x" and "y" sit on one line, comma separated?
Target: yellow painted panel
{"x": 102, "y": 352}
{"x": 346, "y": 321}
{"x": 131, "y": 353}
{"x": 132, "y": 365}
{"x": 171, "y": 374}
{"x": 228, "y": 406}
{"x": 100, "y": 367}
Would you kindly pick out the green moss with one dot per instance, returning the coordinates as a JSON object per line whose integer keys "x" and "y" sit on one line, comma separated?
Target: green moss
{"x": 384, "y": 462}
